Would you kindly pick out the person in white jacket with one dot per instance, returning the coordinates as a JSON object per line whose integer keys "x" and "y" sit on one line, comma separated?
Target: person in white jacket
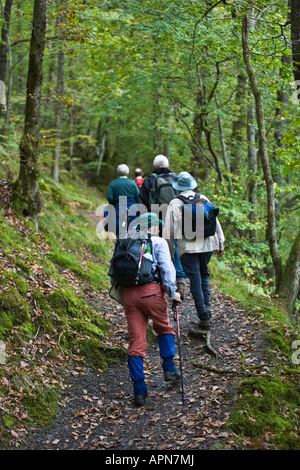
{"x": 194, "y": 254}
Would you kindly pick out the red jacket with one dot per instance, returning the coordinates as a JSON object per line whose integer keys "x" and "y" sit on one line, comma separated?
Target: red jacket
{"x": 139, "y": 181}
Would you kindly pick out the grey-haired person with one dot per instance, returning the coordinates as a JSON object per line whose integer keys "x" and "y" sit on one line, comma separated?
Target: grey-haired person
{"x": 122, "y": 194}
{"x": 162, "y": 171}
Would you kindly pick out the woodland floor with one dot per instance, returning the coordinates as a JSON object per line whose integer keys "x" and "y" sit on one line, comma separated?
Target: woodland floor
{"x": 97, "y": 411}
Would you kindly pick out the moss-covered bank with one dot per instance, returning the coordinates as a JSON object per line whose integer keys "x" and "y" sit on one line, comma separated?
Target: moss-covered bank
{"x": 48, "y": 324}
{"x": 267, "y": 405}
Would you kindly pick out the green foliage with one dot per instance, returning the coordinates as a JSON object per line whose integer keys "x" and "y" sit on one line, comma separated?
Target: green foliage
{"x": 246, "y": 250}
{"x": 145, "y": 74}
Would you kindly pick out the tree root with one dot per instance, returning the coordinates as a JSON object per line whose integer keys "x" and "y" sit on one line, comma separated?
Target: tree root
{"x": 215, "y": 369}
{"x": 208, "y": 345}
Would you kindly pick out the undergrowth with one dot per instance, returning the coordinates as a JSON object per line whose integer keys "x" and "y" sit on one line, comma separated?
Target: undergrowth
{"x": 48, "y": 324}
{"x": 266, "y": 406}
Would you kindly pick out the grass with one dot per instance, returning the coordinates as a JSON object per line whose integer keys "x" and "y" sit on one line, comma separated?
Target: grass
{"x": 265, "y": 405}
{"x": 47, "y": 321}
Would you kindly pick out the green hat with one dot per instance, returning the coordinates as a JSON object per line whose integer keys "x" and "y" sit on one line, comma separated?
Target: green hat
{"x": 150, "y": 219}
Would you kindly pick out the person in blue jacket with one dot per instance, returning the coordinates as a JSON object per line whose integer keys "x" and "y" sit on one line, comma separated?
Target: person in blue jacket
{"x": 123, "y": 194}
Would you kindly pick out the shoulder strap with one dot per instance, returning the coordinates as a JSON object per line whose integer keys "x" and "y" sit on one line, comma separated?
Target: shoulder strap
{"x": 183, "y": 198}
{"x": 187, "y": 200}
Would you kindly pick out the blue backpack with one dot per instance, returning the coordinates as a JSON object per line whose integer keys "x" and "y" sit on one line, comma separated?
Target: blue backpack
{"x": 195, "y": 209}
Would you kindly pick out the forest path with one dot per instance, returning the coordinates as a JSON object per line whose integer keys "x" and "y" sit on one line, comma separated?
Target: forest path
{"x": 97, "y": 411}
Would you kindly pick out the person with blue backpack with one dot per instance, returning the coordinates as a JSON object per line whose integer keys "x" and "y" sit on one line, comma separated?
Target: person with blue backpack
{"x": 142, "y": 265}
{"x": 158, "y": 190}
{"x": 192, "y": 219}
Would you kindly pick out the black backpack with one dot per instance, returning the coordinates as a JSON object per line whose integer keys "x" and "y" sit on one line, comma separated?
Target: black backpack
{"x": 162, "y": 191}
{"x": 128, "y": 265}
{"x": 198, "y": 210}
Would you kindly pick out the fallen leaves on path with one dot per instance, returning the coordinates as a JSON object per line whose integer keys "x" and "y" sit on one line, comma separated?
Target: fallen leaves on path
{"x": 98, "y": 410}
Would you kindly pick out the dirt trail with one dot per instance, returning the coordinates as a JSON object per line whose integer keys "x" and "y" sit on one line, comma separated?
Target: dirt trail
{"x": 97, "y": 411}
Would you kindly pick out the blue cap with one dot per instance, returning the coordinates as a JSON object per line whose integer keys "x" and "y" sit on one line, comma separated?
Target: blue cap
{"x": 184, "y": 181}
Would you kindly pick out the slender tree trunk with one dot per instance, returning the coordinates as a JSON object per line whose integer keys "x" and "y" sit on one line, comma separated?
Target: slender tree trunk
{"x": 9, "y": 87}
{"x": 223, "y": 146}
{"x": 58, "y": 115}
{"x": 26, "y": 195}
{"x": 208, "y": 133}
{"x": 295, "y": 33}
{"x": 4, "y": 49}
{"x": 199, "y": 159}
{"x": 167, "y": 150}
{"x": 238, "y": 125}
{"x": 263, "y": 152}
{"x": 100, "y": 147}
{"x": 58, "y": 107}
{"x": 252, "y": 166}
{"x": 252, "y": 151}
{"x": 69, "y": 164}
{"x": 289, "y": 287}
{"x": 283, "y": 101}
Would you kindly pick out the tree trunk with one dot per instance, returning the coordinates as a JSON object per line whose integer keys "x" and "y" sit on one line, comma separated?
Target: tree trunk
{"x": 295, "y": 33}
{"x": 199, "y": 159}
{"x": 100, "y": 147}
{"x": 9, "y": 87}
{"x": 283, "y": 102}
{"x": 263, "y": 153}
{"x": 69, "y": 163}
{"x": 289, "y": 287}
{"x": 58, "y": 107}
{"x": 238, "y": 126}
{"x": 252, "y": 166}
{"x": 208, "y": 133}
{"x": 223, "y": 146}
{"x": 26, "y": 195}
{"x": 58, "y": 115}
{"x": 4, "y": 49}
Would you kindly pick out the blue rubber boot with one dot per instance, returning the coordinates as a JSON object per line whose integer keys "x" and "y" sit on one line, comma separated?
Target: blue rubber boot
{"x": 166, "y": 345}
{"x": 136, "y": 370}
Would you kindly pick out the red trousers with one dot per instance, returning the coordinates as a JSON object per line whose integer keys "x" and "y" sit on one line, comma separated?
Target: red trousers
{"x": 142, "y": 303}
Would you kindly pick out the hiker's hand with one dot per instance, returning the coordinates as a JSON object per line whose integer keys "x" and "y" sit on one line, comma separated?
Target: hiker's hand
{"x": 220, "y": 253}
{"x": 177, "y": 297}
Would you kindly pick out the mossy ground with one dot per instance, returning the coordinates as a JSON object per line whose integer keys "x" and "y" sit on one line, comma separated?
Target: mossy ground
{"x": 267, "y": 405}
{"x": 47, "y": 322}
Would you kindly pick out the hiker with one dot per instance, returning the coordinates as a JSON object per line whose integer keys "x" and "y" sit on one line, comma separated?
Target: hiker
{"x": 162, "y": 194}
{"x": 160, "y": 169}
{"x": 195, "y": 253}
{"x": 138, "y": 173}
{"x": 122, "y": 194}
{"x": 142, "y": 302}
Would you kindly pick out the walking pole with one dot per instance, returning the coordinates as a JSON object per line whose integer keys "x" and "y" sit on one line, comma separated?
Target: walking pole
{"x": 175, "y": 310}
